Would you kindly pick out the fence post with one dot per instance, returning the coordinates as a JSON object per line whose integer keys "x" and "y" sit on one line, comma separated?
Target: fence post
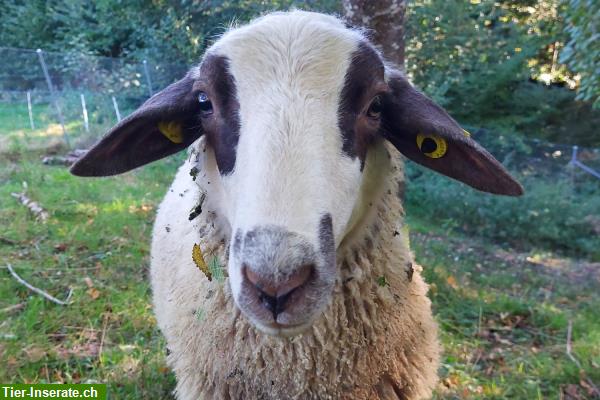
{"x": 85, "y": 114}
{"x": 574, "y": 154}
{"x": 575, "y": 163}
{"x": 29, "y": 108}
{"x": 116, "y": 106}
{"x": 53, "y": 96}
{"x": 148, "y": 81}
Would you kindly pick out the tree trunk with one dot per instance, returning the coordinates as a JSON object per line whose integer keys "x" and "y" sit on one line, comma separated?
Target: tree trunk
{"x": 386, "y": 19}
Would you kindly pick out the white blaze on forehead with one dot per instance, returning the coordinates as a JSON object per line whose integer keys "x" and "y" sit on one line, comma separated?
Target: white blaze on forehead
{"x": 289, "y": 71}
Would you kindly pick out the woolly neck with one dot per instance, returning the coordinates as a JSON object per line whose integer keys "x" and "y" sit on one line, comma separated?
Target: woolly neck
{"x": 377, "y": 329}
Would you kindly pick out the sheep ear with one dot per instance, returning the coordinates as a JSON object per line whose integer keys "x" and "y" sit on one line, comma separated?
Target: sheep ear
{"x": 165, "y": 124}
{"x": 425, "y": 133}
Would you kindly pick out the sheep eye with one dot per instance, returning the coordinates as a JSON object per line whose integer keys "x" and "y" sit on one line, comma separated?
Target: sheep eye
{"x": 375, "y": 108}
{"x": 206, "y": 107}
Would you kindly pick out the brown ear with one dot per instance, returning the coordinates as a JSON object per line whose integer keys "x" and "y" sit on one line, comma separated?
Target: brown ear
{"x": 425, "y": 133}
{"x": 165, "y": 124}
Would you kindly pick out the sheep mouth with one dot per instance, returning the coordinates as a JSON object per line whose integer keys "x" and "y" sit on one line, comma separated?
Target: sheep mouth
{"x": 281, "y": 330}
{"x": 304, "y": 305}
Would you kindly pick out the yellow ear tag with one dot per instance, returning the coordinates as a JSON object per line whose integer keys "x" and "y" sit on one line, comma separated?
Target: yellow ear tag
{"x": 172, "y": 131}
{"x": 432, "y": 146}
{"x": 466, "y": 133}
{"x": 199, "y": 261}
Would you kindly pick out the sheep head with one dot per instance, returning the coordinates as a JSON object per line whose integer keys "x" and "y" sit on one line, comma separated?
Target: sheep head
{"x": 292, "y": 106}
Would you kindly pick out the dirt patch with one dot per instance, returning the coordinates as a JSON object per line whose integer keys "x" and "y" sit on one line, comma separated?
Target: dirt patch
{"x": 576, "y": 271}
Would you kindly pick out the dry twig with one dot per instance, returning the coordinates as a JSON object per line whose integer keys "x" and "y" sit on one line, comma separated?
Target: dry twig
{"x": 33, "y": 206}
{"x": 67, "y": 160}
{"x": 8, "y": 241}
{"x": 14, "y": 307}
{"x": 38, "y": 291}
{"x": 105, "y": 324}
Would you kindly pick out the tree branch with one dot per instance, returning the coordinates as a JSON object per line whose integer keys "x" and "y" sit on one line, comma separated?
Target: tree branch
{"x": 39, "y": 291}
{"x": 34, "y": 207}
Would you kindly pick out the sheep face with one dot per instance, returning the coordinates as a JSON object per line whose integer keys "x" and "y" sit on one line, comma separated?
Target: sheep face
{"x": 288, "y": 172}
{"x": 290, "y": 106}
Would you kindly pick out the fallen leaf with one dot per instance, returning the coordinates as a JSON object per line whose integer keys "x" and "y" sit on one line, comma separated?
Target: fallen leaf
{"x": 163, "y": 370}
{"x": 572, "y": 392}
{"x": 93, "y": 293}
{"x": 60, "y": 248}
{"x": 199, "y": 261}
{"x": 433, "y": 288}
{"x": 58, "y": 376}
{"x": 35, "y": 354}
{"x": 126, "y": 348}
{"x": 588, "y": 388}
{"x": 451, "y": 281}
{"x": 45, "y": 372}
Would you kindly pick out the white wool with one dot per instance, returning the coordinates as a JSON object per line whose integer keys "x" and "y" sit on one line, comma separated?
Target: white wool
{"x": 370, "y": 340}
{"x": 377, "y": 338}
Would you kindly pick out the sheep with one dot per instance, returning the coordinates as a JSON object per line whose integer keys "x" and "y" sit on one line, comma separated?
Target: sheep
{"x": 294, "y": 125}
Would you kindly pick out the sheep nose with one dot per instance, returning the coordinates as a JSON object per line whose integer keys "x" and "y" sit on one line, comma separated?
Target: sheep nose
{"x": 274, "y": 295}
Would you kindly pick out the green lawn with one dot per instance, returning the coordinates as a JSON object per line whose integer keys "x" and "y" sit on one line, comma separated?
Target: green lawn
{"x": 15, "y": 128}
{"x": 96, "y": 243}
{"x": 504, "y": 317}
{"x": 503, "y": 313}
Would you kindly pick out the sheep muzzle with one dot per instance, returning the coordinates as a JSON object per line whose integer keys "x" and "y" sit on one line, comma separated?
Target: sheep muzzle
{"x": 284, "y": 281}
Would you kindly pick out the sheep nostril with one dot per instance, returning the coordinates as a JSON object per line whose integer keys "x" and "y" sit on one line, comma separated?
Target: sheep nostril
{"x": 276, "y": 305}
{"x": 268, "y": 302}
{"x": 274, "y": 296}
{"x": 263, "y": 285}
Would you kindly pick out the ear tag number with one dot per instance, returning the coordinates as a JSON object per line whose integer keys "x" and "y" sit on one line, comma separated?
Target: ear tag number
{"x": 432, "y": 146}
{"x": 199, "y": 261}
{"x": 171, "y": 130}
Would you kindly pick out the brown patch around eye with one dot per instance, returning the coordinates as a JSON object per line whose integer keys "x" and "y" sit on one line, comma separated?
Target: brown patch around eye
{"x": 357, "y": 120}
{"x": 222, "y": 127}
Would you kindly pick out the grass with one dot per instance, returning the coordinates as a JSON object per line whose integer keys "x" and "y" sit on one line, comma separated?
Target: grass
{"x": 560, "y": 210}
{"x": 503, "y": 313}
{"x": 504, "y": 317}
{"x": 16, "y": 128}
{"x": 96, "y": 243}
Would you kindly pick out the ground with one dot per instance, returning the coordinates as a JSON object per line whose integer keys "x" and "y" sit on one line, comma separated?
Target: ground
{"x": 504, "y": 315}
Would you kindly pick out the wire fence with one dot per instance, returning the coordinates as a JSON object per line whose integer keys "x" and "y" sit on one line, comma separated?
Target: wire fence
{"x": 535, "y": 157}
{"x": 76, "y": 96}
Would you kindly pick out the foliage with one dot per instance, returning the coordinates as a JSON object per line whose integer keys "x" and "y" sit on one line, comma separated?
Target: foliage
{"x": 492, "y": 63}
{"x": 496, "y": 64}
{"x": 156, "y": 30}
{"x": 582, "y": 51}
{"x": 481, "y": 39}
